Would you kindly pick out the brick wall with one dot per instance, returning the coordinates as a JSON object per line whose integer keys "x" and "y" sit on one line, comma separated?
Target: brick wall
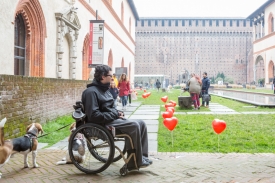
{"x": 24, "y": 100}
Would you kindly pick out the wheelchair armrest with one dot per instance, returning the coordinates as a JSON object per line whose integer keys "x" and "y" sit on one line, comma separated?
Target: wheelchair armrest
{"x": 112, "y": 129}
{"x": 78, "y": 114}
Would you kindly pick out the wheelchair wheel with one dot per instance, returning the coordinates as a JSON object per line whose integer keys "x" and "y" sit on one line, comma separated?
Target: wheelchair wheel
{"x": 98, "y": 138}
{"x": 96, "y": 152}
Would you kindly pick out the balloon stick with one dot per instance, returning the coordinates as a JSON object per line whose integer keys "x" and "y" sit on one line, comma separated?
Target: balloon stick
{"x": 172, "y": 139}
{"x": 218, "y": 143}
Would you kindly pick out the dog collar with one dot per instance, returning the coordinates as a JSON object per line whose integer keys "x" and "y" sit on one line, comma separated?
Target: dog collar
{"x": 32, "y": 134}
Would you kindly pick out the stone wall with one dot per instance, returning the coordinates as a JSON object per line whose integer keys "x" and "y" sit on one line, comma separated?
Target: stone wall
{"x": 24, "y": 100}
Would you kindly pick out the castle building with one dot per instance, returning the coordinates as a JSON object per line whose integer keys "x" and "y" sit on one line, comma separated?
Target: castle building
{"x": 174, "y": 46}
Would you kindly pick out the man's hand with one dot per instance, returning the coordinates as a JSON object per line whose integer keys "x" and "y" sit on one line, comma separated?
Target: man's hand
{"x": 120, "y": 114}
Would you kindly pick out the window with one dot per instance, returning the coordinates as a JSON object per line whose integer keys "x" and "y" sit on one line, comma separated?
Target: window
{"x": 272, "y": 24}
{"x": 19, "y": 46}
{"x": 122, "y": 12}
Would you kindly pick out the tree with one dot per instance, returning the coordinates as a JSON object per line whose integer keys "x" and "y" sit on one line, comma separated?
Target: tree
{"x": 228, "y": 80}
{"x": 222, "y": 75}
{"x": 218, "y": 75}
{"x": 218, "y": 79}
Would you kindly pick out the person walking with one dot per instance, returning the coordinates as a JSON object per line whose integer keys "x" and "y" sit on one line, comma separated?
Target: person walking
{"x": 158, "y": 85}
{"x": 194, "y": 90}
{"x": 205, "y": 87}
{"x": 124, "y": 88}
{"x": 114, "y": 91}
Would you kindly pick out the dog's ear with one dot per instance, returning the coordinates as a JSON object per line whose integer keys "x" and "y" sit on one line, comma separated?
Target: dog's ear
{"x": 40, "y": 129}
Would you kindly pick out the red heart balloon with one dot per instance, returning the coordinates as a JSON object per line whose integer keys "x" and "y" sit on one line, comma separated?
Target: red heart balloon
{"x": 218, "y": 125}
{"x": 175, "y": 119}
{"x": 164, "y": 99}
{"x": 171, "y": 108}
{"x": 173, "y": 102}
{"x": 167, "y": 114}
{"x": 144, "y": 95}
{"x": 170, "y": 123}
{"x": 149, "y": 93}
{"x": 144, "y": 90}
{"x": 169, "y": 105}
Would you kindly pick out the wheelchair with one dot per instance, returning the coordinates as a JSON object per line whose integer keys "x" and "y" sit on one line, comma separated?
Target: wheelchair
{"x": 103, "y": 145}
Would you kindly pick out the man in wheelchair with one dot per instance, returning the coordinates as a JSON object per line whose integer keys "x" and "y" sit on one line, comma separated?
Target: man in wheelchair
{"x": 99, "y": 108}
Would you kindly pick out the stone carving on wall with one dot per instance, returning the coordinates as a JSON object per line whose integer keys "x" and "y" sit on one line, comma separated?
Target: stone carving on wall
{"x": 67, "y": 25}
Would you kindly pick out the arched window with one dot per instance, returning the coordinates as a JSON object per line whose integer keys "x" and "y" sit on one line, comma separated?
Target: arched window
{"x": 130, "y": 24}
{"x": 85, "y": 58}
{"x": 31, "y": 13}
{"x": 122, "y": 12}
{"x": 19, "y": 45}
{"x": 272, "y": 24}
{"x": 122, "y": 62}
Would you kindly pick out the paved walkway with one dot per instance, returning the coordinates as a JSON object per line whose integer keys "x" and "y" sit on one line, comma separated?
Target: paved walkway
{"x": 167, "y": 167}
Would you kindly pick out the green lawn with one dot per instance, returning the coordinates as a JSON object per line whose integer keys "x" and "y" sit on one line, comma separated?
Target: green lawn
{"x": 53, "y": 129}
{"x": 244, "y": 133}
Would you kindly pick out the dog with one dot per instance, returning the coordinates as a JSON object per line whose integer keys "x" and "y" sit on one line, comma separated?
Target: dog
{"x": 5, "y": 146}
{"x": 28, "y": 143}
{"x": 78, "y": 148}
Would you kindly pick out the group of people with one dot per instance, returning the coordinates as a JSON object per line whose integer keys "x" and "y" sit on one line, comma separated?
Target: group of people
{"x": 197, "y": 88}
{"x": 120, "y": 89}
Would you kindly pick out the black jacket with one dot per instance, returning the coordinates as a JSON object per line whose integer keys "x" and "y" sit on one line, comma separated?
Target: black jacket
{"x": 205, "y": 84}
{"x": 99, "y": 103}
{"x": 158, "y": 84}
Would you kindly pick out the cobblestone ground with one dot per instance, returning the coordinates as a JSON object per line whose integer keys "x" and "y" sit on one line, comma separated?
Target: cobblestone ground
{"x": 167, "y": 167}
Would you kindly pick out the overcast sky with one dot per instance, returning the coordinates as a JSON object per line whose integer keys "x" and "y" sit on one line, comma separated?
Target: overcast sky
{"x": 197, "y": 8}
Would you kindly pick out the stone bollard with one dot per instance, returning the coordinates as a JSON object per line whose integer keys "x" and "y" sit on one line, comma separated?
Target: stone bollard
{"x": 184, "y": 101}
